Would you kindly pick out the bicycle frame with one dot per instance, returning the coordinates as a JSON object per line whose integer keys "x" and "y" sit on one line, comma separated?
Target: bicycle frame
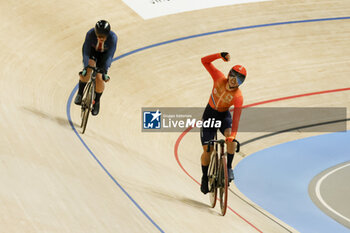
{"x": 217, "y": 177}
{"x": 217, "y": 173}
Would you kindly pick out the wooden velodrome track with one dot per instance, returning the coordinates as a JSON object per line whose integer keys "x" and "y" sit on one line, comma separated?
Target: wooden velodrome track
{"x": 50, "y": 180}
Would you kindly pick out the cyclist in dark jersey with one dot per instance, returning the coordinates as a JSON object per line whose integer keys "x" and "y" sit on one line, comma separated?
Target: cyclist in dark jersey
{"x": 225, "y": 93}
{"x": 98, "y": 50}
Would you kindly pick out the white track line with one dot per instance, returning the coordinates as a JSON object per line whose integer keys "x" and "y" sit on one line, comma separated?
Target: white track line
{"x": 319, "y": 196}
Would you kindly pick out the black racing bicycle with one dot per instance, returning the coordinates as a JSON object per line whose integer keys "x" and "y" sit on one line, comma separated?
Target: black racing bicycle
{"x": 217, "y": 173}
{"x": 88, "y": 98}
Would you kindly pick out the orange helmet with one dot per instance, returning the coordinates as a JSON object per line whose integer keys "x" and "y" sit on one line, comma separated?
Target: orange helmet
{"x": 239, "y": 72}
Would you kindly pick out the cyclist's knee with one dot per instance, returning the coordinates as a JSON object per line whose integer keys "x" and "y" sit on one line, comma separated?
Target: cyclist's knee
{"x": 205, "y": 151}
{"x": 84, "y": 79}
{"x": 99, "y": 80}
{"x": 92, "y": 63}
{"x": 205, "y": 148}
{"x": 227, "y": 132}
{"x": 231, "y": 147}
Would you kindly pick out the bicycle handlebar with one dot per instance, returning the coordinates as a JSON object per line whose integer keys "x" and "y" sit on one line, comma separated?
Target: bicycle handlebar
{"x": 221, "y": 142}
{"x": 96, "y": 70}
{"x": 92, "y": 67}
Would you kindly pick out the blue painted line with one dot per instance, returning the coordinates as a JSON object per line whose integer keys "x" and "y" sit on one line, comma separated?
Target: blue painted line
{"x": 278, "y": 178}
{"x": 226, "y": 30}
{"x": 164, "y": 43}
{"x": 98, "y": 161}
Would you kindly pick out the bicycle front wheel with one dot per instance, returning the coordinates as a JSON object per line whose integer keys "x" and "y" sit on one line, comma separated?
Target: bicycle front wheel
{"x": 212, "y": 178}
{"x": 223, "y": 185}
{"x": 86, "y": 105}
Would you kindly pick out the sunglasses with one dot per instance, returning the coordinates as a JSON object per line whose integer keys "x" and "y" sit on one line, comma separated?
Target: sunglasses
{"x": 239, "y": 77}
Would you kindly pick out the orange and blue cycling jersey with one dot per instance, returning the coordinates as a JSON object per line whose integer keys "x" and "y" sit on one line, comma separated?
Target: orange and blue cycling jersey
{"x": 221, "y": 99}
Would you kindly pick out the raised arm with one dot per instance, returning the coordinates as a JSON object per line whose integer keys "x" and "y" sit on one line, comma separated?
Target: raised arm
{"x": 207, "y": 63}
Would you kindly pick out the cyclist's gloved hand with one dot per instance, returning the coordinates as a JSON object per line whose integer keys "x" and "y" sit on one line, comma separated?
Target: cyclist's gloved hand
{"x": 83, "y": 72}
{"x": 225, "y": 56}
{"x": 105, "y": 77}
{"x": 103, "y": 71}
{"x": 230, "y": 139}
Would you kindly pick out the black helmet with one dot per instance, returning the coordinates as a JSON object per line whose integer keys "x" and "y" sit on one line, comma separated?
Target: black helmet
{"x": 102, "y": 27}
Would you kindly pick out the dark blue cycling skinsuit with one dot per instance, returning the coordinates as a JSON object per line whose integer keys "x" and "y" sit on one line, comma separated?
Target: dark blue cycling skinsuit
{"x": 104, "y": 58}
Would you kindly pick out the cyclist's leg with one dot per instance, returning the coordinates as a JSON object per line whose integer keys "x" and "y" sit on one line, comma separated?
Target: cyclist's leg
{"x": 225, "y": 129}
{"x": 100, "y": 65}
{"x": 231, "y": 146}
{"x": 100, "y": 84}
{"x": 206, "y": 134}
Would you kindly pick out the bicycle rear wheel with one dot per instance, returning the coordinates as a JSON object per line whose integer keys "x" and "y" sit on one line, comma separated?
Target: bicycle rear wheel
{"x": 86, "y": 105}
{"x": 223, "y": 185}
{"x": 212, "y": 178}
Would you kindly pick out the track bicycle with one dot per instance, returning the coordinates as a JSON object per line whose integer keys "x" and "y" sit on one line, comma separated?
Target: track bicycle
{"x": 217, "y": 173}
{"x": 88, "y": 98}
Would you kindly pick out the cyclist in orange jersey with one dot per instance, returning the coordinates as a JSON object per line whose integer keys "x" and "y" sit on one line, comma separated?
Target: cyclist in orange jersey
{"x": 225, "y": 93}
